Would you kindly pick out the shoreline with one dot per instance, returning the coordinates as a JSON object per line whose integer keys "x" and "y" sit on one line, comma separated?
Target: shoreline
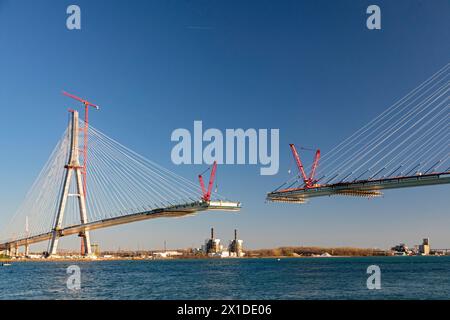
{"x": 88, "y": 260}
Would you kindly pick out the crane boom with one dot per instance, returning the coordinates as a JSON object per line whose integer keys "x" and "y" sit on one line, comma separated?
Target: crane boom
{"x": 211, "y": 179}
{"x": 314, "y": 166}
{"x": 207, "y": 193}
{"x": 299, "y": 162}
{"x": 309, "y": 181}
{"x": 202, "y": 185}
{"x": 85, "y": 102}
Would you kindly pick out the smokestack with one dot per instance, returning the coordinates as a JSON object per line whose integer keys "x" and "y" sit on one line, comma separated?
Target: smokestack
{"x": 212, "y": 233}
{"x": 235, "y": 234}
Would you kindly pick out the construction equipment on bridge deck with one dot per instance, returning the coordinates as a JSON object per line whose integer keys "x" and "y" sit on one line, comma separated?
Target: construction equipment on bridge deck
{"x": 309, "y": 181}
{"x": 405, "y": 146}
{"x": 362, "y": 188}
{"x": 207, "y": 193}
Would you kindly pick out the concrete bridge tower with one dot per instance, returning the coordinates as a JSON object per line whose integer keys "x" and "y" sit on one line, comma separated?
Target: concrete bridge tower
{"x": 73, "y": 170}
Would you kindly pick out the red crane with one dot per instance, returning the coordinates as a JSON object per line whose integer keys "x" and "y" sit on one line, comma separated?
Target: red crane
{"x": 207, "y": 193}
{"x": 309, "y": 181}
{"x": 85, "y": 129}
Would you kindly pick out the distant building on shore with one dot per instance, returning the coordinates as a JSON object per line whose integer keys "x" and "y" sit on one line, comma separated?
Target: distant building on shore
{"x": 401, "y": 250}
{"x": 424, "y": 248}
{"x": 235, "y": 248}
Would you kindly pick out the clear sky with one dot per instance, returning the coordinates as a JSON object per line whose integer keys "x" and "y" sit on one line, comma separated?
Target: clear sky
{"x": 310, "y": 68}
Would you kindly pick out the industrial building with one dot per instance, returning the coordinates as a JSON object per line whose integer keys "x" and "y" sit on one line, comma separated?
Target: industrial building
{"x": 424, "y": 248}
{"x": 401, "y": 250}
{"x": 213, "y": 248}
{"x": 235, "y": 248}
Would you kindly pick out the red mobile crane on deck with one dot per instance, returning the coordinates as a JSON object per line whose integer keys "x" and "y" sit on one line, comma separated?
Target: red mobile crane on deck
{"x": 310, "y": 182}
{"x": 207, "y": 193}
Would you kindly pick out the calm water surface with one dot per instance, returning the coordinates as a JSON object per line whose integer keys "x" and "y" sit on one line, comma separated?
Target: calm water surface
{"x": 316, "y": 278}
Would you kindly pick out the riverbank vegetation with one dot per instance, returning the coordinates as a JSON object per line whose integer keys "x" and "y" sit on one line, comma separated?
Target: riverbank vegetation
{"x": 314, "y": 251}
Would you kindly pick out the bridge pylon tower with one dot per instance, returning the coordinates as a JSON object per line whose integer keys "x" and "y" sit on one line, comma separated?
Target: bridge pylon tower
{"x": 73, "y": 170}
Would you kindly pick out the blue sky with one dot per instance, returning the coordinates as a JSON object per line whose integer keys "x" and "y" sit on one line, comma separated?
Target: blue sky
{"x": 310, "y": 68}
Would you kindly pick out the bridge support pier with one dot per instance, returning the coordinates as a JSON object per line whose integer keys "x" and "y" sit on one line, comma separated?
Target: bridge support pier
{"x": 54, "y": 242}
{"x": 87, "y": 244}
{"x": 27, "y": 250}
{"x": 13, "y": 251}
{"x": 72, "y": 168}
{"x": 8, "y": 251}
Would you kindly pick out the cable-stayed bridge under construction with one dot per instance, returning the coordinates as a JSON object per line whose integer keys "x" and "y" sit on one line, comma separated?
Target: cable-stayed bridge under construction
{"x": 82, "y": 189}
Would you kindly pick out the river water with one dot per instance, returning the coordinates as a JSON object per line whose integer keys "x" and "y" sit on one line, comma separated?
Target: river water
{"x": 289, "y": 278}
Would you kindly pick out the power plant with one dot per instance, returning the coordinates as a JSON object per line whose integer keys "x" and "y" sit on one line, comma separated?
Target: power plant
{"x": 213, "y": 248}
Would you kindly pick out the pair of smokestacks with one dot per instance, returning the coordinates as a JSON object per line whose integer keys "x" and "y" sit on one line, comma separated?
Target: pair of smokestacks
{"x": 212, "y": 233}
